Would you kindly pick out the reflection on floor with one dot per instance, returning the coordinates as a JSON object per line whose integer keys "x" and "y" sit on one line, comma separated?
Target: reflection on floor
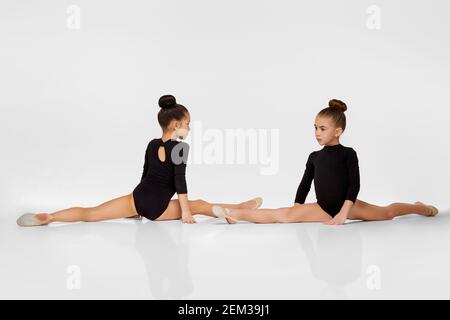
{"x": 408, "y": 257}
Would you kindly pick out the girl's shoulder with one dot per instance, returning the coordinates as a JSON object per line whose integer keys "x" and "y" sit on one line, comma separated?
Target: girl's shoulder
{"x": 154, "y": 143}
{"x": 343, "y": 148}
{"x": 312, "y": 155}
{"x": 159, "y": 141}
{"x": 349, "y": 149}
{"x": 179, "y": 143}
{"x": 350, "y": 153}
{"x": 173, "y": 145}
{"x": 181, "y": 147}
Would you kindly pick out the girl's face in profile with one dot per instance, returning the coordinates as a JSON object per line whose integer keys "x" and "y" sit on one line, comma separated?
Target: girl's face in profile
{"x": 182, "y": 127}
{"x": 326, "y": 132}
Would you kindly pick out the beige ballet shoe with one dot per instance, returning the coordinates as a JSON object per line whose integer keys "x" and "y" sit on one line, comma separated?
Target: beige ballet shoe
{"x": 434, "y": 210}
{"x": 220, "y": 212}
{"x": 30, "y": 220}
{"x": 259, "y": 202}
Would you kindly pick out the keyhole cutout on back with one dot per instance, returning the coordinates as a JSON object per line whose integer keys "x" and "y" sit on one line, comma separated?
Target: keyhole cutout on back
{"x": 162, "y": 154}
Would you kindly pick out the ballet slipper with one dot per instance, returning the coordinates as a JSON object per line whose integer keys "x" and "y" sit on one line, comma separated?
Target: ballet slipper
{"x": 258, "y": 201}
{"x": 220, "y": 212}
{"x": 29, "y": 220}
{"x": 434, "y": 210}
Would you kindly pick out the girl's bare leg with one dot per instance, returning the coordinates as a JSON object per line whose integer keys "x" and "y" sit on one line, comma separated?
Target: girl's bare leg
{"x": 173, "y": 211}
{"x": 365, "y": 211}
{"x": 310, "y": 212}
{"x": 121, "y": 207}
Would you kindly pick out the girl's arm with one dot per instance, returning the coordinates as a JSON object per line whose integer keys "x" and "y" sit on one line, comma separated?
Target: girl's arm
{"x": 145, "y": 168}
{"x": 305, "y": 183}
{"x": 353, "y": 176}
{"x": 186, "y": 215}
{"x": 343, "y": 213}
{"x": 179, "y": 158}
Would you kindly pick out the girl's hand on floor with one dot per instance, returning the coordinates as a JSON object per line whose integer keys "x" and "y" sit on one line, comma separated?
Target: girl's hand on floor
{"x": 187, "y": 217}
{"x": 339, "y": 219}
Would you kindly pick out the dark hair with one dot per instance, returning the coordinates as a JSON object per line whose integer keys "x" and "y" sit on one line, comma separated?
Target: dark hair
{"x": 170, "y": 110}
{"x": 335, "y": 111}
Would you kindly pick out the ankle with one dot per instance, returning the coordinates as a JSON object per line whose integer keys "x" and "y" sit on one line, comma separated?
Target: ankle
{"x": 47, "y": 217}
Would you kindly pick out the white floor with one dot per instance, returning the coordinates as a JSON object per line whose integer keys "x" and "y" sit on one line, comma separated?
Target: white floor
{"x": 405, "y": 258}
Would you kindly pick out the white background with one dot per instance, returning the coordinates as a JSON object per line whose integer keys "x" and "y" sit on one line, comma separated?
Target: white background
{"x": 78, "y": 107}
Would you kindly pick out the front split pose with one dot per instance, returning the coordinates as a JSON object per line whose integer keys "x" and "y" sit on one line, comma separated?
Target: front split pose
{"x": 335, "y": 172}
{"x": 164, "y": 174}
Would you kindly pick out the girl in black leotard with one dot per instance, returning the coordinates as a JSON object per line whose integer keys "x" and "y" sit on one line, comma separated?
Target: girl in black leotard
{"x": 164, "y": 175}
{"x": 161, "y": 179}
{"x": 335, "y": 171}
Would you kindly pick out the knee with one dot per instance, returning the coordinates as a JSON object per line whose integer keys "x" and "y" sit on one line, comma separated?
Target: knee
{"x": 390, "y": 212}
{"x": 198, "y": 205}
{"x": 199, "y": 202}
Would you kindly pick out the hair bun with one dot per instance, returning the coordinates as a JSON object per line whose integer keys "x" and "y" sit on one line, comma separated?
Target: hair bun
{"x": 337, "y": 104}
{"x": 167, "y": 101}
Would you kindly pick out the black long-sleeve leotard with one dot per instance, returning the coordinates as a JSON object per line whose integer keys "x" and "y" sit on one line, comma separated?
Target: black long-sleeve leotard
{"x": 335, "y": 172}
{"x": 161, "y": 179}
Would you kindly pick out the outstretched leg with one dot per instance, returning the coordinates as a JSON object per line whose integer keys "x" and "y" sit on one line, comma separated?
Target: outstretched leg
{"x": 310, "y": 212}
{"x": 173, "y": 211}
{"x": 121, "y": 207}
{"x": 365, "y": 211}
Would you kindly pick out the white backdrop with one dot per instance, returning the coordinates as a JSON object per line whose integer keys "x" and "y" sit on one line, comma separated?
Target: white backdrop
{"x": 78, "y": 105}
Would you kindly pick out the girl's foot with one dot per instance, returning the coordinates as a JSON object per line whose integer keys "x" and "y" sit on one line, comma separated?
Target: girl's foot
{"x": 432, "y": 211}
{"x": 223, "y": 213}
{"x": 252, "y": 204}
{"x": 33, "y": 220}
